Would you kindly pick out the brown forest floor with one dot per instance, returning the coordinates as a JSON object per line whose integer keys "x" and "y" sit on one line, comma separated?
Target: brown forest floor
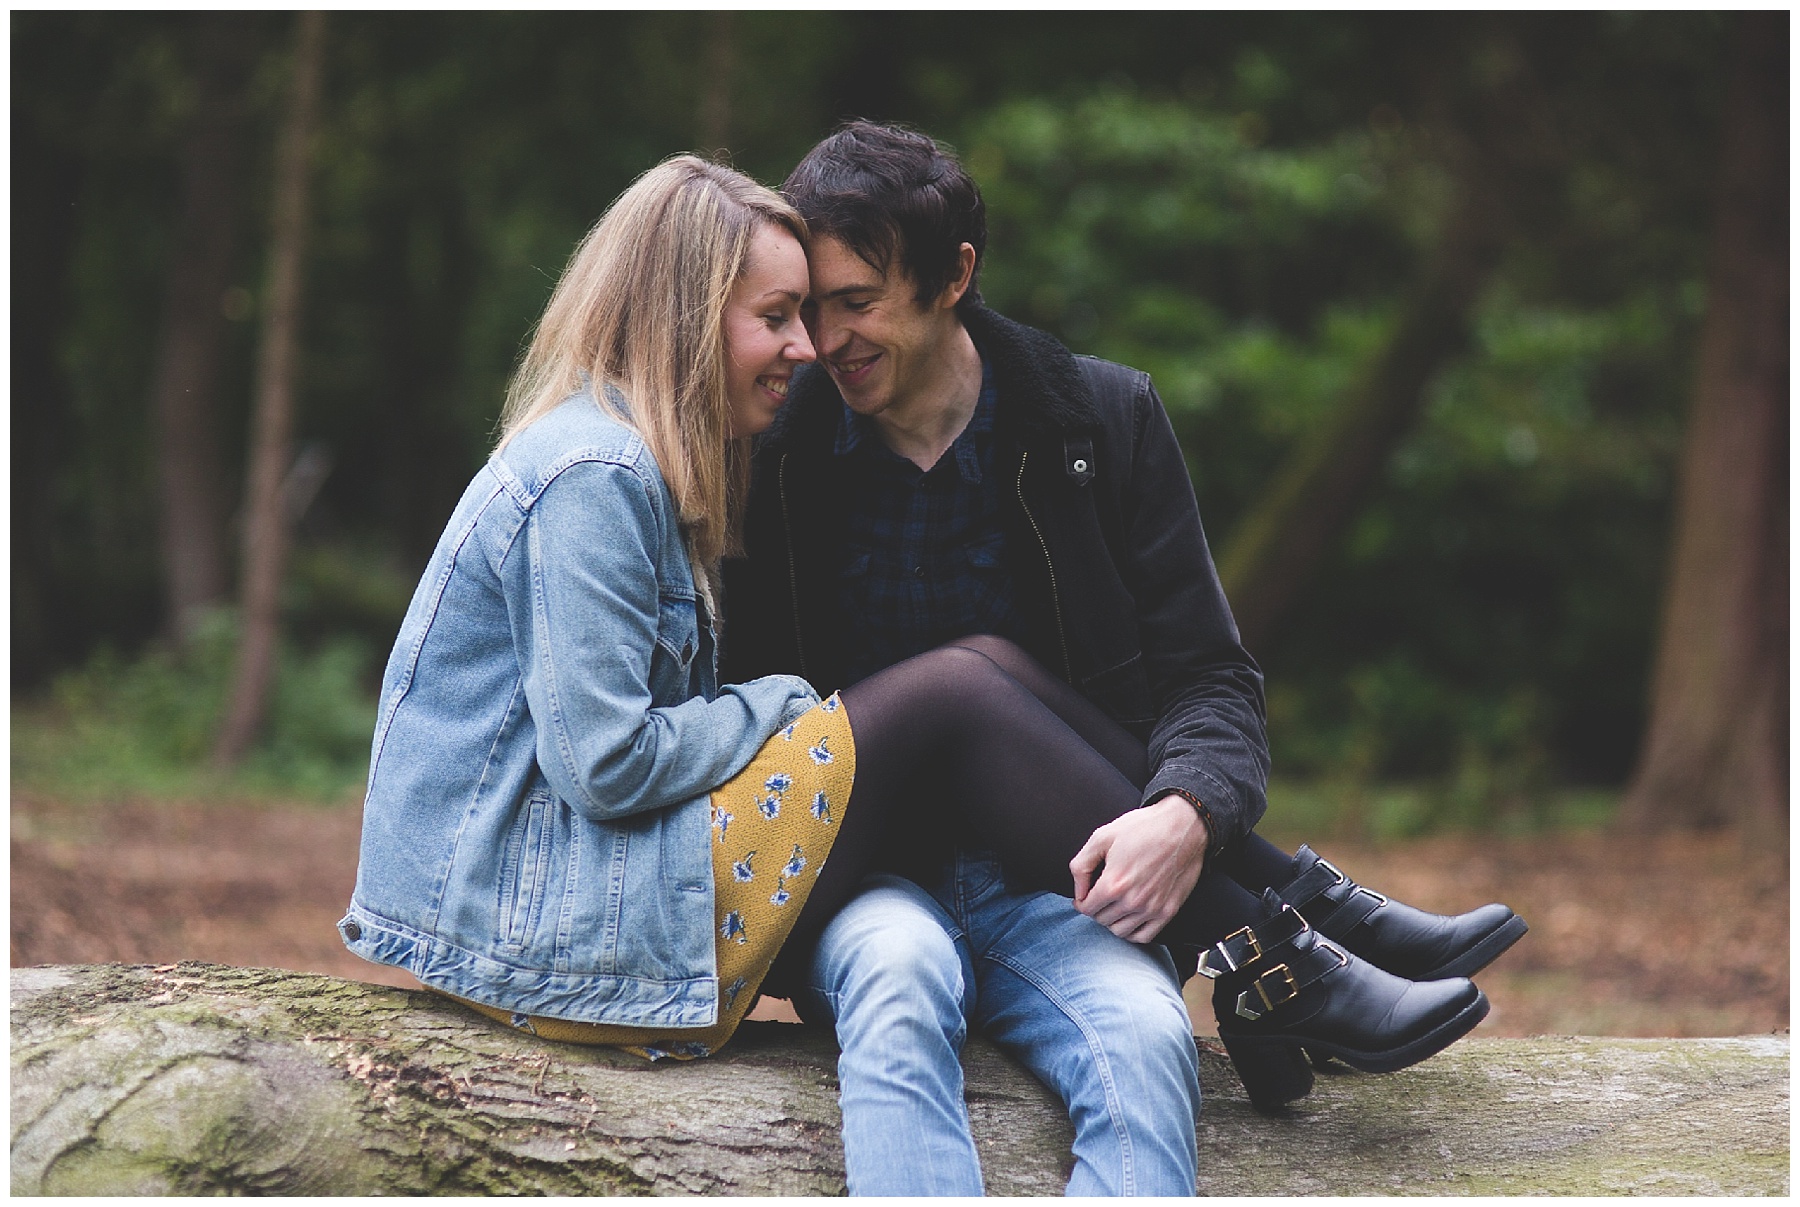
{"x": 1675, "y": 935}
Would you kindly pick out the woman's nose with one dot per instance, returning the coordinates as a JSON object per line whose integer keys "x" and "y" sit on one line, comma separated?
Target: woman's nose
{"x": 800, "y": 348}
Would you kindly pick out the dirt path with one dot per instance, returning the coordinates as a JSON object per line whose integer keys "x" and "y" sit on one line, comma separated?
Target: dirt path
{"x": 1671, "y": 936}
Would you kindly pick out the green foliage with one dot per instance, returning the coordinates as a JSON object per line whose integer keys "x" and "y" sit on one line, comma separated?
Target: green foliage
{"x": 146, "y": 726}
{"x": 1165, "y": 236}
{"x": 1482, "y": 633}
{"x": 1237, "y": 203}
{"x": 1316, "y": 810}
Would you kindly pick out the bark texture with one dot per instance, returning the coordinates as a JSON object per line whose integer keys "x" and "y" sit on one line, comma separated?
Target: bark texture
{"x": 196, "y": 1078}
{"x": 266, "y": 521}
{"x": 1715, "y": 749}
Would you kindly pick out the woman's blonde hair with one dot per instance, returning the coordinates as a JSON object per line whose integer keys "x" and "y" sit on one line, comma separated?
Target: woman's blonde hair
{"x": 641, "y": 307}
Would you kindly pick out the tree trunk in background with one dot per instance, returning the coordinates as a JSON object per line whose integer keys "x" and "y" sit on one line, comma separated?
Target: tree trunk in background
{"x": 1496, "y": 135}
{"x": 266, "y": 521}
{"x": 715, "y": 88}
{"x": 184, "y": 407}
{"x": 1496, "y": 131}
{"x": 44, "y": 203}
{"x": 1275, "y": 549}
{"x": 1715, "y": 748}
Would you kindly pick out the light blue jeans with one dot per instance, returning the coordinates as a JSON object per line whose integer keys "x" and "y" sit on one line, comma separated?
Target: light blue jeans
{"x": 905, "y": 972}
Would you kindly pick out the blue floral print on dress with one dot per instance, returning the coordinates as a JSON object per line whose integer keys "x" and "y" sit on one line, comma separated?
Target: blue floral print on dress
{"x": 733, "y": 927}
{"x": 740, "y": 869}
{"x": 821, "y": 808}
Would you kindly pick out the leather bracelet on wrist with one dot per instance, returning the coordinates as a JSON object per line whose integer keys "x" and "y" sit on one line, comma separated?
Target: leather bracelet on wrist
{"x": 1206, "y": 818}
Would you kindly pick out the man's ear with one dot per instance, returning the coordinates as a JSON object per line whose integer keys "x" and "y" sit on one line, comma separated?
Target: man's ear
{"x": 959, "y": 285}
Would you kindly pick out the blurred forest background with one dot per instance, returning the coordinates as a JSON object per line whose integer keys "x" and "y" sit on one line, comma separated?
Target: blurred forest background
{"x": 1473, "y": 327}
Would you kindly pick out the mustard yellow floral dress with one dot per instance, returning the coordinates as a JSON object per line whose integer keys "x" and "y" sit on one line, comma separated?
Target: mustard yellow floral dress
{"x": 772, "y": 825}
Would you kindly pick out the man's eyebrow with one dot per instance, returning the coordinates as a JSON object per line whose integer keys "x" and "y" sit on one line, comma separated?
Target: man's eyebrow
{"x": 869, "y": 287}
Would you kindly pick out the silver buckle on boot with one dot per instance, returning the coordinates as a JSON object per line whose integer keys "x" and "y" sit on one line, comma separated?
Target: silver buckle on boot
{"x": 1213, "y": 974}
{"x": 1341, "y": 878}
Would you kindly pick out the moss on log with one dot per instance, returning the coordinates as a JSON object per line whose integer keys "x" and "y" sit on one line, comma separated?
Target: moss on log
{"x": 197, "y": 1078}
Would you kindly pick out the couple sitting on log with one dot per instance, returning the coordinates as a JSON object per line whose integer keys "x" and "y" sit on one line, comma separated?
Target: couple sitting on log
{"x": 769, "y": 446}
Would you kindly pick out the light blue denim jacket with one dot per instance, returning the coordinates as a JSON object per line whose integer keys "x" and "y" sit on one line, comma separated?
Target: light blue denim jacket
{"x": 537, "y": 831}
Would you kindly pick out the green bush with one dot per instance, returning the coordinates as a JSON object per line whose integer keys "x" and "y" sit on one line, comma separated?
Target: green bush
{"x": 1473, "y": 652}
{"x": 146, "y": 726}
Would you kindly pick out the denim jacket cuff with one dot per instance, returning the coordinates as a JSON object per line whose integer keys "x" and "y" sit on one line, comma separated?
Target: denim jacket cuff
{"x": 805, "y": 698}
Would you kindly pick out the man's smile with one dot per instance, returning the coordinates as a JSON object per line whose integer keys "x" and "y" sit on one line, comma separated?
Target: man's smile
{"x": 852, "y": 371}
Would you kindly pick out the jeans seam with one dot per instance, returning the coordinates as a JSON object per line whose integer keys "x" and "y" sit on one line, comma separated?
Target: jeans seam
{"x": 1114, "y": 1108}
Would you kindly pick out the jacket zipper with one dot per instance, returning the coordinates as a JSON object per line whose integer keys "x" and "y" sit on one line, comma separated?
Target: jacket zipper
{"x": 787, "y": 528}
{"x": 1055, "y": 597}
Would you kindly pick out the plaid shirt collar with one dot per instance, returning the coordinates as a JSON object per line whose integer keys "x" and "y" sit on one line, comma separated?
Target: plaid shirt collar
{"x": 858, "y": 431}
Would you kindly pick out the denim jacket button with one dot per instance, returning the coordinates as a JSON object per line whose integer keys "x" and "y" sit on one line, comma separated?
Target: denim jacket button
{"x": 352, "y": 931}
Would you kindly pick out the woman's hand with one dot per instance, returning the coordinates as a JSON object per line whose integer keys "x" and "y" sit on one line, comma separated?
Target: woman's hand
{"x": 1146, "y": 863}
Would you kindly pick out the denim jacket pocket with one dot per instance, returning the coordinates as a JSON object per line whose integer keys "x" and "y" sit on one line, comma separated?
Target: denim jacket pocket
{"x": 677, "y": 641}
{"x": 525, "y": 868}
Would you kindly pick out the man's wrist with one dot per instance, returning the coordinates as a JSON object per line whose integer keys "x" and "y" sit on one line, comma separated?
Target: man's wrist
{"x": 1199, "y": 807}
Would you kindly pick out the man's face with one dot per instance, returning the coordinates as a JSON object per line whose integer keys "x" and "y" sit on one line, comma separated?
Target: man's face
{"x": 877, "y": 343}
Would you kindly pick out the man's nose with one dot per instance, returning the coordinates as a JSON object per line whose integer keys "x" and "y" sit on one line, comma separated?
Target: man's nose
{"x": 826, "y": 335}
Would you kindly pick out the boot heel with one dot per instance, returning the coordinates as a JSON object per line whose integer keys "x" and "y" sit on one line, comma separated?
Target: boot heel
{"x": 1274, "y": 1072}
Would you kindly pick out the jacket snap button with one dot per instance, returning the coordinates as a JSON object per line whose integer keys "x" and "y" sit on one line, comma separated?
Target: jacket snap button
{"x": 1080, "y": 466}
{"x": 352, "y": 931}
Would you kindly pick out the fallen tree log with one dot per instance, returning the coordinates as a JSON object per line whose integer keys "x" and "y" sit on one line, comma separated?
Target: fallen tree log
{"x": 198, "y": 1078}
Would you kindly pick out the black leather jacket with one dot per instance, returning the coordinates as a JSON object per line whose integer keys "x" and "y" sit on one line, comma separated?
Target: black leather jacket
{"x": 1116, "y": 589}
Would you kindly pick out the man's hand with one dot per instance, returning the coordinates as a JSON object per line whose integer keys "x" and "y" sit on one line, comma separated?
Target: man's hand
{"x": 1152, "y": 858}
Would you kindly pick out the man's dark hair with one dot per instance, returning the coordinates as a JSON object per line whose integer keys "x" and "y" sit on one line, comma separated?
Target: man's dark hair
{"x": 891, "y": 194}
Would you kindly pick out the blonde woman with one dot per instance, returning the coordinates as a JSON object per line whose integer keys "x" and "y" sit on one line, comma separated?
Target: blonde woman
{"x": 573, "y": 828}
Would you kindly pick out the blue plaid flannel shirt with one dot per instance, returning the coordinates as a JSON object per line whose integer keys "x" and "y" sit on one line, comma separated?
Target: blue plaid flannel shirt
{"x": 925, "y": 547}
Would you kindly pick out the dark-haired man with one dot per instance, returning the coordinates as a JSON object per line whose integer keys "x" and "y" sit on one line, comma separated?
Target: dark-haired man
{"x": 950, "y": 473}
{"x": 945, "y": 474}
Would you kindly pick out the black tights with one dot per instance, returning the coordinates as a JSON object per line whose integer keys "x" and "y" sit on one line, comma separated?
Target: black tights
{"x": 974, "y": 743}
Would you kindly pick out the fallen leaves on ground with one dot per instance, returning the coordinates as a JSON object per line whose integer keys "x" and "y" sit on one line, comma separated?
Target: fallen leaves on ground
{"x": 1677, "y": 934}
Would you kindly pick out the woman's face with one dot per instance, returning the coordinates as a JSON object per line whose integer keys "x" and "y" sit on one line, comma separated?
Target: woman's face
{"x": 764, "y": 338}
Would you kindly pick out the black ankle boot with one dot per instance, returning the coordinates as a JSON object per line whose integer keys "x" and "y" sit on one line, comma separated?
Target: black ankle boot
{"x": 1394, "y": 936}
{"x": 1281, "y": 989}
